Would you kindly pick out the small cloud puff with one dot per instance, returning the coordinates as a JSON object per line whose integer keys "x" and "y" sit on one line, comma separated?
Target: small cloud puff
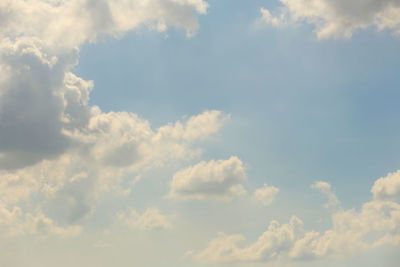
{"x": 266, "y": 194}
{"x": 221, "y": 179}
{"x": 325, "y": 188}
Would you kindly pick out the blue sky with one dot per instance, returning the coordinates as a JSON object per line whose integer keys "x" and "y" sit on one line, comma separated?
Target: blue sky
{"x": 313, "y": 109}
{"x": 179, "y": 133}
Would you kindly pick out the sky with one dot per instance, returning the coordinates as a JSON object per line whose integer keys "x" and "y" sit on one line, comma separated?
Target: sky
{"x": 191, "y": 133}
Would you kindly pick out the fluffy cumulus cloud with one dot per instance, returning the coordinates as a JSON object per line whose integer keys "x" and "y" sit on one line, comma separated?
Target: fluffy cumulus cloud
{"x": 214, "y": 179}
{"x": 377, "y": 223}
{"x": 58, "y": 153}
{"x": 150, "y": 219}
{"x": 337, "y": 19}
{"x": 387, "y": 188}
{"x": 266, "y": 194}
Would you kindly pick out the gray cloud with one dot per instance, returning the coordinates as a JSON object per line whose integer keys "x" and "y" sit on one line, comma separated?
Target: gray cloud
{"x": 31, "y": 107}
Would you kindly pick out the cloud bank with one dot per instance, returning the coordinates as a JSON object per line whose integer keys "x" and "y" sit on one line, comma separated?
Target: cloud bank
{"x": 377, "y": 223}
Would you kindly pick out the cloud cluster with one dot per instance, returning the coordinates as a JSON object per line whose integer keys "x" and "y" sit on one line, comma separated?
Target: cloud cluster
{"x": 18, "y": 223}
{"x": 375, "y": 224}
{"x": 112, "y": 147}
{"x": 56, "y": 151}
{"x": 41, "y": 102}
{"x": 216, "y": 179}
{"x": 337, "y": 19}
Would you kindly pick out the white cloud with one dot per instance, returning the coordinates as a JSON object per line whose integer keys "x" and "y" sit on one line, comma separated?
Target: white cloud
{"x": 216, "y": 178}
{"x": 387, "y": 188}
{"x": 376, "y": 224}
{"x": 266, "y": 194}
{"x": 150, "y": 219}
{"x": 325, "y": 189}
{"x": 337, "y": 19}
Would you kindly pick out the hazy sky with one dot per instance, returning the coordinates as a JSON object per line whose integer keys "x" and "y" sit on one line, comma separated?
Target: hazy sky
{"x": 193, "y": 133}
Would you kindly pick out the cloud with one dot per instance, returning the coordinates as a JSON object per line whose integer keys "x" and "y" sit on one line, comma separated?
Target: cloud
{"x": 325, "y": 189}
{"x": 150, "y": 219}
{"x": 377, "y": 223}
{"x": 265, "y": 194}
{"x": 216, "y": 179}
{"x": 387, "y": 188}
{"x": 337, "y": 19}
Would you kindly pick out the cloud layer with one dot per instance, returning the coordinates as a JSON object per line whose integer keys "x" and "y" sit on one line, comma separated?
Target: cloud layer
{"x": 59, "y": 155}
